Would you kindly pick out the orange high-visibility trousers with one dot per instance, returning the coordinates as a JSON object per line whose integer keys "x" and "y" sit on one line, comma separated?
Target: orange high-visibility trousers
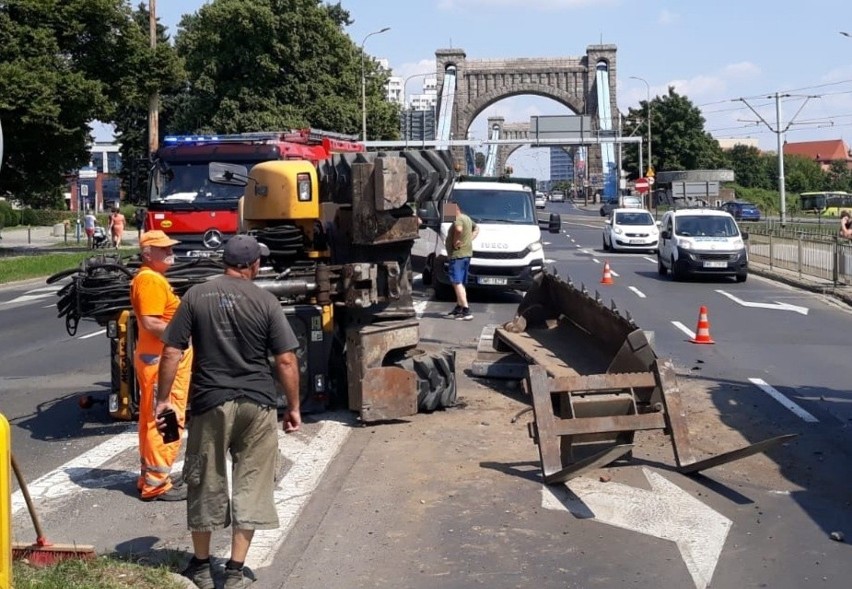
{"x": 157, "y": 457}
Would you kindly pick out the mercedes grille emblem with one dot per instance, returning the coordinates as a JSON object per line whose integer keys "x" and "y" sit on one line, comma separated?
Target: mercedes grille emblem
{"x": 212, "y": 239}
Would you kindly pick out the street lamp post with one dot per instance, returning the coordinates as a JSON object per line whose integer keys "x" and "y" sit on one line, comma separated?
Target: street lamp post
{"x": 648, "y": 107}
{"x": 364, "y": 85}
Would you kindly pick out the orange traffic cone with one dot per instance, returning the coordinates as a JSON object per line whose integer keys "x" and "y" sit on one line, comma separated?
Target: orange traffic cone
{"x": 702, "y": 332}
{"x": 607, "y": 275}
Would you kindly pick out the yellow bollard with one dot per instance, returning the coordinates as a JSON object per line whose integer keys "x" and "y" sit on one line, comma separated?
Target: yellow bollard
{"x": 5, "y": 505}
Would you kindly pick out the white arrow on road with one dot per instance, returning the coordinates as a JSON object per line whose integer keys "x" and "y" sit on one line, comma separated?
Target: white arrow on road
{"x": 776, "y": 305}
{"x": 666, "y": 511}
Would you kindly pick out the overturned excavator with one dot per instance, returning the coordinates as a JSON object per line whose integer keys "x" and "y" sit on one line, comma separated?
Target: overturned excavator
{"x": 340, "y": 234}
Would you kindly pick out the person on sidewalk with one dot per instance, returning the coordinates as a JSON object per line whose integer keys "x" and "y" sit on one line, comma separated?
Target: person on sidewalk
{"x": 233, "y": 325}
{"x": 459, "y": 246}
{"x": 117, "y": 221}
{"x": 845, "y": 224}
{"x": 154, "y": 304}
{"x": 139, "y": 221}
{"x": 89, "y": 223}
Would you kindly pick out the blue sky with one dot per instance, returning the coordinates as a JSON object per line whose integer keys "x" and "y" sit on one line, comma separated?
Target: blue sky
{"x": 712, "y": 51}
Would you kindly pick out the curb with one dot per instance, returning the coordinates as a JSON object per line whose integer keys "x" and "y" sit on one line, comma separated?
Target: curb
{"x": 826, "y": 289}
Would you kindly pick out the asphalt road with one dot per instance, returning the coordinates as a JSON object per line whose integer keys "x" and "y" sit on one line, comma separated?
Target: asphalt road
{"x": 454, "y": 498}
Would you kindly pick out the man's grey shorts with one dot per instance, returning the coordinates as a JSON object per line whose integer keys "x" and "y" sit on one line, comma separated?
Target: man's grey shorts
{"x": 250, "y": 432}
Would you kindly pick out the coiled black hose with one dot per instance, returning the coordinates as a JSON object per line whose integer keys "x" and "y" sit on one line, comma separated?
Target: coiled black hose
{"x": 99, "y": 287}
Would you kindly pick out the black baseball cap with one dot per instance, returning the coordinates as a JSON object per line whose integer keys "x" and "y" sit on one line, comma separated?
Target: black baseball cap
{"x": 241, "y": 251}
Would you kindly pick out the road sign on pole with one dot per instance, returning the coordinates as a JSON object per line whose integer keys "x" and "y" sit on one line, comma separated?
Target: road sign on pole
{"x": 642, "y": 185}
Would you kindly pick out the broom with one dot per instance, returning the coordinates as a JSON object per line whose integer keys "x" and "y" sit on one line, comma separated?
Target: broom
{"x": 44, "y": 553}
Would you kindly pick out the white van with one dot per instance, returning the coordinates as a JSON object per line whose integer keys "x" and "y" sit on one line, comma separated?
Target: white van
{"x": 701, "y": 241}
{"x": 507, "y": 252}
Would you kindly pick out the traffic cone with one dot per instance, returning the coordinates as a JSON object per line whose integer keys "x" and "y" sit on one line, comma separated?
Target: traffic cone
{"x": 702, "y": 332}
{"x": 607, "y": 275}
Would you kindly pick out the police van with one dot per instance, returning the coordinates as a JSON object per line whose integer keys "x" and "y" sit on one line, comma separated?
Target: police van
{"x": 701, "y": 241}
{"x": 507, "y": 252}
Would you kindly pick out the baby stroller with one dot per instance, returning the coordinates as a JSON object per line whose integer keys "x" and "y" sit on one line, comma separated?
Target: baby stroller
{"x": 99, "y": 238}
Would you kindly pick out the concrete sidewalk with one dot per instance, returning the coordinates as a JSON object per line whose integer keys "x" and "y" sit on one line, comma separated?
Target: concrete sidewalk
{"x": 38, "y": 238}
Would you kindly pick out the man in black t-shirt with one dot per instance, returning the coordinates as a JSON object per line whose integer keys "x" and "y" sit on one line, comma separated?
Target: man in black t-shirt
{"x": 233, "y": 325}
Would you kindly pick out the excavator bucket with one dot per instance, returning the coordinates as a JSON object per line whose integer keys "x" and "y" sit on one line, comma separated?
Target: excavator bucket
{"x": 595, "y": 381}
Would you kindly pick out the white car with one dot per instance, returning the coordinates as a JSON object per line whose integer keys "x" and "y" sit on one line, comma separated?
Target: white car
{"x": 540, "y": 201}
{"x": 630, "y": 229}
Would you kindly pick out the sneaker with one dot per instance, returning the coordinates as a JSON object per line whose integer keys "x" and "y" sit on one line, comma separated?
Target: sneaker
{"x": 173, "y": 494}
{"x": 455, "y": 312}
{"x": 200, "y": 573}
{"x": 464, "y": 315}
{"x": 235, "y": 579}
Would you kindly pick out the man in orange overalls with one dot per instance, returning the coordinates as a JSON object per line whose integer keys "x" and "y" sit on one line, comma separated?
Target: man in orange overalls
{"x": 154, "y": 304}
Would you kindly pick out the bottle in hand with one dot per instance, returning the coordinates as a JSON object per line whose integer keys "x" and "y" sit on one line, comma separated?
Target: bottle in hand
{"x": 171, "y": 433}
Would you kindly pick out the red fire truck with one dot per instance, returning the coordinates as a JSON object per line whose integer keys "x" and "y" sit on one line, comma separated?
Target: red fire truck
{"x": 202, "y": 215}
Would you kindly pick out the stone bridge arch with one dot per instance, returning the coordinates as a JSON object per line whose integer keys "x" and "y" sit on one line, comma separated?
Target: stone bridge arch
{"x": 570, "y": 81}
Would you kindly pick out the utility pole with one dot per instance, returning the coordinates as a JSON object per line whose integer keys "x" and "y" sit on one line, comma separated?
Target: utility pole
{"x": 154, "y": 98}
{"x": 780, "y": 133}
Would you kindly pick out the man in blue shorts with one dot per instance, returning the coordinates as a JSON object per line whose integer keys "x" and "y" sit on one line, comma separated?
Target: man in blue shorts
{"x": 459, "y": 246}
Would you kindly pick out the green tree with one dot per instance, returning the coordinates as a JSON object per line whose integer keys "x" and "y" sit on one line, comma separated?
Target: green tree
{"x": 63, "y": 63}
{"x": 752, "y": 168}
{"x": 269, "y": 64}
{"x": 801, "y": 174}
{"x": 839, "y": 176}
{"x": 679, "y": 141}
{"x": 45, "y": 100}
{"x": 145, "y": 71}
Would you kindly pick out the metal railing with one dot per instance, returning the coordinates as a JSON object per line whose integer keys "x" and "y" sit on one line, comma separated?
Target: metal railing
{"x": 828, "y": 257}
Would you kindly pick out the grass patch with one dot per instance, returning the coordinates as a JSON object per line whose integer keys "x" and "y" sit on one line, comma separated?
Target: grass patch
{"x": 103, "y": 572}
{"x": 33, "y": 266}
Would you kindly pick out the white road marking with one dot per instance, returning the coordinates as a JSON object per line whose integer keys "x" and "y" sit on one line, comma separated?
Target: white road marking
{"x": 88, "y": 335}
{"x": 34, "y": 294}
{"x": 614, "y": 273}
{"x": 638, "y": 292}
{"x": 297, "y": 485}
{"x": 650, "y": 259}
{"x": 420, "y": 308}
{"x": 684, "y": 328}
{"x": 76, "y": 475}
{"x": 666, "y": 511}
{"x": 308, "y": 459}
{"x": 549, "y": 261}
{"x": 781, "y": 398}
{"x": 596, "y": 261}
{"x": 776, "y": 305}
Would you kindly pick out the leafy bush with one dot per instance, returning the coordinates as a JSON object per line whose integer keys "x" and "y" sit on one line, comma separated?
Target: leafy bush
{"x": 7, "y": 215}
{"x": 768, "y": 201}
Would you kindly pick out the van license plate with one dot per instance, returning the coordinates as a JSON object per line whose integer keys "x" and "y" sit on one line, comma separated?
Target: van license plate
{"x": 715, "y": 264}
{"x": 493, "y": 281}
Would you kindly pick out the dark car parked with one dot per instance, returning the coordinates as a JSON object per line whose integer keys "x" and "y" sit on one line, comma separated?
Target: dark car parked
{"x": 741, "y": 210}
